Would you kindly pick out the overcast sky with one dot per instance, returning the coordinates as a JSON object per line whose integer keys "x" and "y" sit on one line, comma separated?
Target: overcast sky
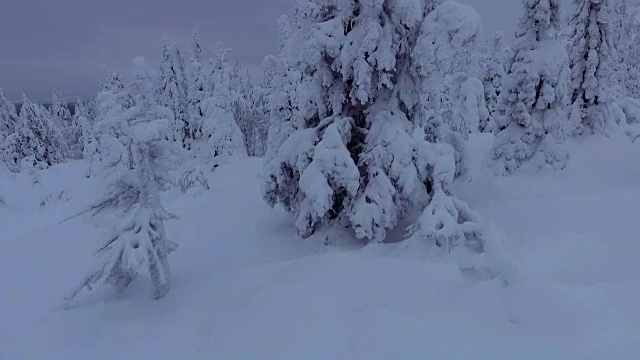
{"x": 67, "y": 45}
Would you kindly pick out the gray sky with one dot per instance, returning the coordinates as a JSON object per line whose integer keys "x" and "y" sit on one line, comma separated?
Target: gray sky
{"x": 67, "y": 45}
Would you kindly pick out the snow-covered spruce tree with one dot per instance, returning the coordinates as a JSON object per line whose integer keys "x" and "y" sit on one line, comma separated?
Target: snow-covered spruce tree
{"x": 360, "y": 149}
{"x": 88, "y": 141}
{"x": 66, "y": 129}
{"x": 627, "y": 41}
{"x": 250, "y": 111}
{"x": 139, "y": 245}
{"x": 214, "y": 129}
{"x": 450, "y": 38}
{"x": 172, "y": 90}
{"x": 536, "y": 94}
{"x": 8, "y": 116}
{"x": 33, "y": 139}
{"x": 211, "y": 131}
{"x": 196, "y": 92}
{"x": 110, "y": 129}
{"x": 60, "y": 123}
{"x": 592, "y": 59}
{"x": 8, "y": 123}
{"x": 494, "y": 68}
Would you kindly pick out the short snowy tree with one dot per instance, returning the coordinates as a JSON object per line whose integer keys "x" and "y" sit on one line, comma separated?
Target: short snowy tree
{"x": 357, "y": 144}
{"x": 592, "y": 58}
{"x": 536, "y": 94}
{"x": 139, "y": 245}
{"x": 33, "y": 140}
{"x": 110, "y": 129}
{"x": 474, "y": 108}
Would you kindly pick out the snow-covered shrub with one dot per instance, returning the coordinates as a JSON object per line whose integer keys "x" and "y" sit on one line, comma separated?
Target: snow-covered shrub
{"x": 631, "y": 109}
{"x": 220, "y": 133}
{"x": 191, "y": 179}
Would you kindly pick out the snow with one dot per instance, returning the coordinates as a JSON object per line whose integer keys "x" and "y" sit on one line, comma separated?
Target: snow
{"x": 245, "y": 286}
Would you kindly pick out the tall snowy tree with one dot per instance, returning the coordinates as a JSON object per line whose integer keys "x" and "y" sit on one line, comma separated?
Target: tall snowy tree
{"x": 88, "y": 143}
{"x": 139, "y": 245}
{"x": 536, "y": 93}
{"x": 357, "y": 147}
{"x": 593, "y": 59}
{"x": 172, "y": 91}
{"x": 627, "y": 41}
{"x": 196, "y": 92}
{"x": 494, "y": 66}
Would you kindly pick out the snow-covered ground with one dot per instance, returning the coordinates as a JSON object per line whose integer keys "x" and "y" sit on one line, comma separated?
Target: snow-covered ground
{"x": 246, "y": 287}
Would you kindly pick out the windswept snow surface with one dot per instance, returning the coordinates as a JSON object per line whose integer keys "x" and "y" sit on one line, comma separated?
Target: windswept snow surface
{"x": 246, "y": 287}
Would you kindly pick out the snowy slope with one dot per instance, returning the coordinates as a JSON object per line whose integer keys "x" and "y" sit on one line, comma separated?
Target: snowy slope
{"x": 246, "y": 287}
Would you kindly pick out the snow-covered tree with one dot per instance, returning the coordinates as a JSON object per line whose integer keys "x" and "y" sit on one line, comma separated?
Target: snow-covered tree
{"x": 446, "y": 34}
{"x": 357, "y": 145}
{"x": 8, "y": 116}
{"x": 474, "y": 107}
{"x": 627, "y": 40}
{"x": 110, "y": 127}
{"x": 494, "y": 67}
{"x": 536, "y": 93}
{"x": 251, "y": 113}
{"x": 196, "y": 92}
{"x": 88, "y": 140}
{"x": 60, "y": 121}
{"x": 213, "y": 90}
{"x": 33, "y": 140}
{"x": 139, "y": 245}
{"x": 213, "y": 130}
{"x": 592, "y": 56}
{"x": 66, "y": 130}
{"x": 172, "y": 89}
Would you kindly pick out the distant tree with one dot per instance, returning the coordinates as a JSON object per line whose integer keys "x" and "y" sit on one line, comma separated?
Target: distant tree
{"x": 172, "y": 91}
{"x": 196, "y": 92}
{"x": 33, "y": 142}
{"x": 66, "y": 129}
{"x": 8, "y": 116}
{"x": 88, "y": 143}
{"x": 536, "y": 93}
{"x": 494, "y": 66}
